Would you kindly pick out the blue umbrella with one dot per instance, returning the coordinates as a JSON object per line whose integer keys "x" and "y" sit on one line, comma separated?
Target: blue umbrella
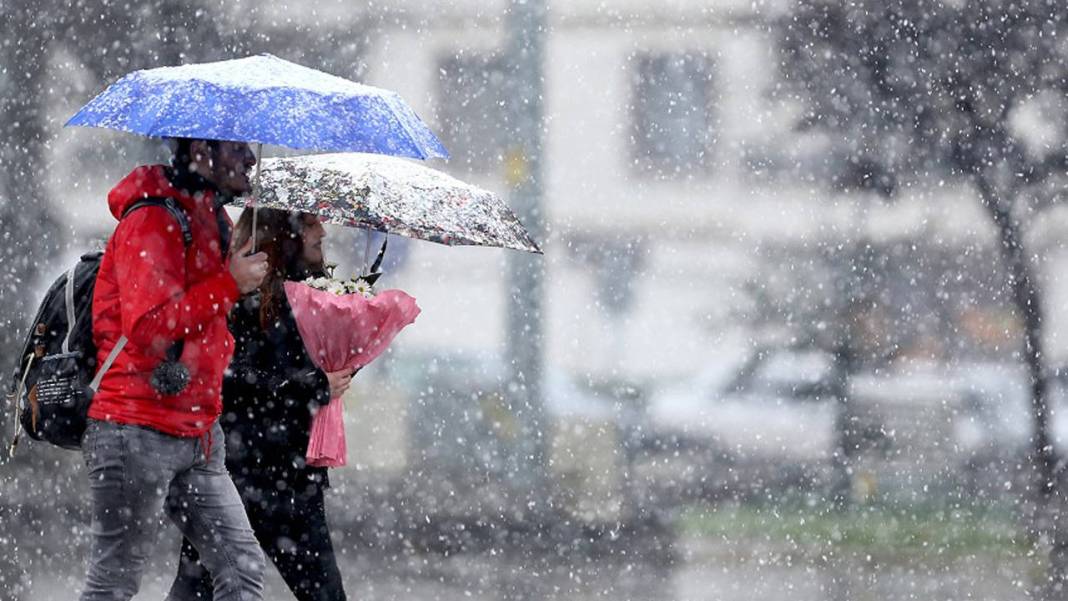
{"x": 262, "y": 99}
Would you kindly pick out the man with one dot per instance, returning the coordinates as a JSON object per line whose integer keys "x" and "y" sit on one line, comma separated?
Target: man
{"x": 151, "y": 445}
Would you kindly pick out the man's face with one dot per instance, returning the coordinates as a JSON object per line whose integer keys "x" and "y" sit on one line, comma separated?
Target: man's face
{"x": 227, "y": 165}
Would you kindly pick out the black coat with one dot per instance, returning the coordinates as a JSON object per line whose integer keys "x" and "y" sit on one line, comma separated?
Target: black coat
{"x": 269, "y": 395}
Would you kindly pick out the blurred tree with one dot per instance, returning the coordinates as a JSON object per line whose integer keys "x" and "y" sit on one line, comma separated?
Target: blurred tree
{"x": 965, "y": 89}
{"x": 792, "y": 302}
{"x": 23, "y": 206}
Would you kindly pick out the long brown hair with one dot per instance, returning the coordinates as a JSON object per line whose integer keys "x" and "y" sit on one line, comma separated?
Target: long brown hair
{"x": 279, "y": 234}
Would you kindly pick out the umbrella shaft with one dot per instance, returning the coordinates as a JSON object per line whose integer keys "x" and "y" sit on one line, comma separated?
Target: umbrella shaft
{"x": 256, "y": 192}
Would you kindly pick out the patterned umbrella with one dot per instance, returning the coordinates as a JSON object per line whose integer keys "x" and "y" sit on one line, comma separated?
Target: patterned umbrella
{"x": 392, "y": 195}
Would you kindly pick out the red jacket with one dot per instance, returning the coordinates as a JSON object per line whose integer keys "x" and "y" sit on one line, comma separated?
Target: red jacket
{"x": 154, "y": 291}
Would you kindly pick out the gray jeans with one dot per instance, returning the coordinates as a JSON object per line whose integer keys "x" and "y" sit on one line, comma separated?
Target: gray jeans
{"x": 135, "y": 473}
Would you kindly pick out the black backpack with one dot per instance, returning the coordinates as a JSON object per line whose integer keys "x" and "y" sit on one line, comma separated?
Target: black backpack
{"x": 56, "y": 374}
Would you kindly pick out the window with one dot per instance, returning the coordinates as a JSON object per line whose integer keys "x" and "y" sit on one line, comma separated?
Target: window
{"x": 673, "y": 114}
{"x": 472, "y": 112}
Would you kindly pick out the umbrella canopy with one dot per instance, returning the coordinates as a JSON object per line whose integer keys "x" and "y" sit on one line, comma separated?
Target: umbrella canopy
{"x": 391, "y": 195}
{"x": 262, "y": 99}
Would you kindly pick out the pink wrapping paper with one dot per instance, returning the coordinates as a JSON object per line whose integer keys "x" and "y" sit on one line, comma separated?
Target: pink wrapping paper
{"x": 338, "y": 332}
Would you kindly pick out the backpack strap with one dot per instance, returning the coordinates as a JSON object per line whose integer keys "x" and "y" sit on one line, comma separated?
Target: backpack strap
{"x": 69, "y": 301}
{"x": 114, "y": 354}
{"x": 172, "y": 206}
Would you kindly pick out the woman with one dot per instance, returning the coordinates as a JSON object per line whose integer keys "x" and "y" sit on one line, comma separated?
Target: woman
{"x": 269, "y": 396}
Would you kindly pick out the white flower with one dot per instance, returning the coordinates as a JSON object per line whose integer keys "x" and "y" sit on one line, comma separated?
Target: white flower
{"x": 342, "y": 287}
{"x": 364, "y": 288}
{"x": 317, "y": 283}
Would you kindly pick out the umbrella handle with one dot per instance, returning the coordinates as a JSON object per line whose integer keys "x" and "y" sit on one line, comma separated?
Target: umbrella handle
{"x": 256, "y": 193}
{"x": 381, "y": 255}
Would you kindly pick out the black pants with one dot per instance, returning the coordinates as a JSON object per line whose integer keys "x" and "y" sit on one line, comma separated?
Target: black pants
{"x": 291, "y": 527}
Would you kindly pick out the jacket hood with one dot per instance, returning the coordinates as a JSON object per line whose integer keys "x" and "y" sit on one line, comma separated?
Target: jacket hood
{"x": 151, "y": 181}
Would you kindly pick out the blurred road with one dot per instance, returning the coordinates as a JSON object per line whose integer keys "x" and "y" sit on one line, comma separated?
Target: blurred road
{"x": 706, "y": 570}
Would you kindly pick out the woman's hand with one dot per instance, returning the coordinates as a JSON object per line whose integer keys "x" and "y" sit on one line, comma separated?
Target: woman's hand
{"x": 339, "y": 381}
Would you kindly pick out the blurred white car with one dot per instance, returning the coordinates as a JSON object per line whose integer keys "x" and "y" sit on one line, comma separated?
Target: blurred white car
{"x": 770, "y": 405}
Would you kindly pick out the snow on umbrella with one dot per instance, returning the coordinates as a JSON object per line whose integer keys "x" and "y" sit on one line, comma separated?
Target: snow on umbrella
{"x": 391, "y": 195}
{"x": 262, "y": 99}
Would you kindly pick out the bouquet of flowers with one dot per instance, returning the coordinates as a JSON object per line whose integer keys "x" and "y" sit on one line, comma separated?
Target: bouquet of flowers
{"x": 344, "y": 324}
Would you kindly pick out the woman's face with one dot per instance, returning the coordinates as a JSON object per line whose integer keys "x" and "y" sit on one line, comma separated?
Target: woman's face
{"x": 312, "y": 234}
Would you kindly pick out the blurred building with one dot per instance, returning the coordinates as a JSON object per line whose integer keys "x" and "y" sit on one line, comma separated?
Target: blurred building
{"x": 671, "y": 171}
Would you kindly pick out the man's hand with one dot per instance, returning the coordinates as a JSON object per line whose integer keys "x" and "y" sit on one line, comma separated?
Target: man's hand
{"x": 339, "y": 381}
{"x": 248, "y": 270}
